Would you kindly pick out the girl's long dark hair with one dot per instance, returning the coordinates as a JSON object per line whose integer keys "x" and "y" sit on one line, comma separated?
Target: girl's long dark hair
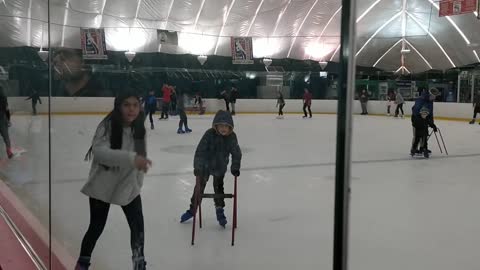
{"x": 113, "y": 123}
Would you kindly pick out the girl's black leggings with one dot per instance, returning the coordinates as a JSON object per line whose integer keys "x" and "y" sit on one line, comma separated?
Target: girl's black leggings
{"x": 98, "y": 219}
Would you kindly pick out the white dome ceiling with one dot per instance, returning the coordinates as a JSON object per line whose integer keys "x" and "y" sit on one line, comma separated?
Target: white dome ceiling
{"x": 300, "y": 29}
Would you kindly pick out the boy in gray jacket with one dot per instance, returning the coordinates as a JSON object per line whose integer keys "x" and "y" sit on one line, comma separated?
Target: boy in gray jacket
{"x": 212, "y": 157}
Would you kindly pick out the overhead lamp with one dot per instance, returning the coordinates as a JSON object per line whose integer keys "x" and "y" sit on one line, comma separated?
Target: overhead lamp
{"x": 323, "y": 64}
{"x": 130, "y": 55}
{"x": 267, "y": 62}
{"x": 43, "y": 55}
{"x": 202, "y": 59}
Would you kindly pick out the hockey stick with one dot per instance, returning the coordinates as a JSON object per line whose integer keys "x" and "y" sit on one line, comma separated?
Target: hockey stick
{"x": 443, "y": 142}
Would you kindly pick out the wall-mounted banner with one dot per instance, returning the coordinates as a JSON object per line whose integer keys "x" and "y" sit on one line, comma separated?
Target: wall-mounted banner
{"x": 242, "y": 51}
{"x": 167, "y": 37}
{"x": 457, "y": 7}
{"x": 93, "y": 43}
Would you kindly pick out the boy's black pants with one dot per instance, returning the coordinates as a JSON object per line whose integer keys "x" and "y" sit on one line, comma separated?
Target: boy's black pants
{"x": 217, "y": 187}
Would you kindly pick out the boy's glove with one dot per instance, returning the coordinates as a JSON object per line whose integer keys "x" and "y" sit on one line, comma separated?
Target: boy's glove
{"x": 435, "y": 129}
{"x": 197, "y": 172}
{"x": 236, "y": 173}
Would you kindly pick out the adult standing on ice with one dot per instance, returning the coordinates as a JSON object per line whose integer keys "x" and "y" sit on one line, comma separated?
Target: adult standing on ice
{"x": 399, "y": 100}
{"x": 116, "y": 176}
{"x": 424, "y": 101}
{"x": 364, "y": 101}
{"x": 280, "y": 104}
{"x": 307, "y": 103}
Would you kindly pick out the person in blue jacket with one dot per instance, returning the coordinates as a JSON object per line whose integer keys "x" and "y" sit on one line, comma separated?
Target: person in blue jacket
{"x": 151, "y": 107}
{"x": 424, "y": 101}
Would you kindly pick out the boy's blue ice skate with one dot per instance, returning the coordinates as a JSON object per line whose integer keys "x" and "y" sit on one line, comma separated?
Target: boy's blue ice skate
{"x": 222, "y": 219}
{"x": 186, "y": 216}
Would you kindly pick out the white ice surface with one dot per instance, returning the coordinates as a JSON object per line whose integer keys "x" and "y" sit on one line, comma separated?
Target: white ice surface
{"x": 405, "y": 214}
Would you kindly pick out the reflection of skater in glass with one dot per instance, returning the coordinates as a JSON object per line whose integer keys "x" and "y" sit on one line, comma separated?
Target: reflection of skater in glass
{"x": 4, "y": 122}
{"x": 280, "y": 104}
{"x": 35, "y": 97}
{"x": 116, "y": 177}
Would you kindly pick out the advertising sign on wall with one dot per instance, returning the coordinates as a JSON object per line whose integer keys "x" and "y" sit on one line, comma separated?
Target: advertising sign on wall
{"x": 93, "y": 43}
{"x": 242, "y": 51}
{"x": 457, "y": 7}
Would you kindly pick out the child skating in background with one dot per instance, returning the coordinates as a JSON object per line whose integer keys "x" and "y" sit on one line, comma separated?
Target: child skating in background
{"x": 199, "y": 103}
{"x": 181, "y": 112}
{"x": 212, "y": 157}
{"x": 421, "y": 124}
{"x": 151, "y": 107}
{"x": 116, "y": 176}
{"x": 280, "y": 104}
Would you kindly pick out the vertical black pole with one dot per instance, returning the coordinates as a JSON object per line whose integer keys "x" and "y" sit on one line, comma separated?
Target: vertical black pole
{"x": 344, "y": 130}
{"x": 49, "y": 68}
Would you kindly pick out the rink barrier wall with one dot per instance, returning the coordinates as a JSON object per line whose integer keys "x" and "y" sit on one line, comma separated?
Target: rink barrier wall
{"x": 34, "y": 232}
{"x": 93, "y": 105}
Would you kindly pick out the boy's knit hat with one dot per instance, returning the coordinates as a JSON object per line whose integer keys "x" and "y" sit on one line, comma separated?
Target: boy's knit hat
{"x": 424, "y": 110}
{"x": 434, "y": 91}
{"x": 223, "y": 117}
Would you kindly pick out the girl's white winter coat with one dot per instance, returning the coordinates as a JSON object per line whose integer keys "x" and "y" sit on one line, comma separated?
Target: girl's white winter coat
{"x": 121, "y": 182}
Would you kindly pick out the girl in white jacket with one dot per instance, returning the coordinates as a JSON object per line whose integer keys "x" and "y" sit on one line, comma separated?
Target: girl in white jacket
{"x": 116, "y": 176}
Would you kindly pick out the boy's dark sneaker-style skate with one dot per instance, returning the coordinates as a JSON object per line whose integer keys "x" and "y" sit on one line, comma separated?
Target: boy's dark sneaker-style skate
{"x": 180, "y": 131}
{"x": 83, "y": 263}
{"x": 186, "y": 216}
{"x": 426, "y": 154}
{"x": 187, "y": 130}
{"x": 472, "y": 122}
{"x": 221, "y": 218}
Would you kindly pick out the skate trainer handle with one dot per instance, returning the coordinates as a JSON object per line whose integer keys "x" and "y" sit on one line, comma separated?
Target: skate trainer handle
{"x": 198, "y": 206}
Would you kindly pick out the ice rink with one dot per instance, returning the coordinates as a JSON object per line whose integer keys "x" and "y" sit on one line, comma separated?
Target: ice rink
{"x": 405, "y": 213}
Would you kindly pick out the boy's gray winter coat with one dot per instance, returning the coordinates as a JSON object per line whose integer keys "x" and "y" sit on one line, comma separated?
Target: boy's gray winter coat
{"x": 213, "y": 151}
